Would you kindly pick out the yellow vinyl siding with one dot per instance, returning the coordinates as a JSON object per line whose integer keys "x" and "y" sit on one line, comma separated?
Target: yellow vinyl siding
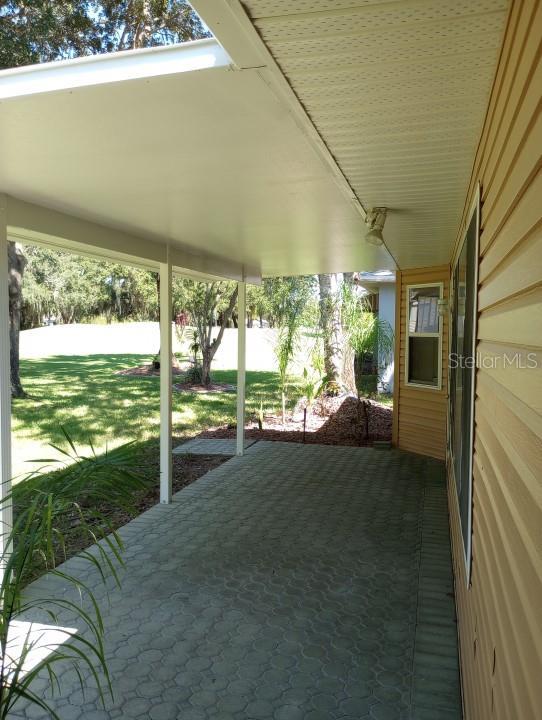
{"x": 499, "y": 615}
{"x": 420, "y": 413}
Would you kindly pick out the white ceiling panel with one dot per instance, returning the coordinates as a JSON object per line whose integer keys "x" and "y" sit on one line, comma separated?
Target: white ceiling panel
{"x": 209, "y": 161}
{"x": 398, "y": 92}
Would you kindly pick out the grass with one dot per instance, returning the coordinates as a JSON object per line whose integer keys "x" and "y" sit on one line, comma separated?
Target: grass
{"x": 85, "y": 395}
{"x": 385, "y": 399}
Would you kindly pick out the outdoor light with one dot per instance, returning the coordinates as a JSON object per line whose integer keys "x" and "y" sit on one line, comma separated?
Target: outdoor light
{"x": 375, "y": 222}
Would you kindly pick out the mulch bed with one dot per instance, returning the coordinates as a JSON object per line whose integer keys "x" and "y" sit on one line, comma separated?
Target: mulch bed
{"x": 186, "y": 469}
{"x": 148, "y": 371}
{"x": 188, "y": 387}
{"x": 330, "y": 421}
{"x": 203, "y": 389}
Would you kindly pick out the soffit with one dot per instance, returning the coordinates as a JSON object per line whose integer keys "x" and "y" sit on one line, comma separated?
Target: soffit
{"x": 398, "y": 92}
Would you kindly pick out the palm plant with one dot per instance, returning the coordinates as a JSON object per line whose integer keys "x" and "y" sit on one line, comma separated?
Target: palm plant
{"x": 368, "y": 335}
{"x": 259, "y": 414}
{"x": 312, "y": 385}
{"x": 285, "y": 348}
{"x": 194, "y": 373}
{"x": 289, "y": 298}
{"x": 194, "y": 347}
{"x": 44, "y": 505}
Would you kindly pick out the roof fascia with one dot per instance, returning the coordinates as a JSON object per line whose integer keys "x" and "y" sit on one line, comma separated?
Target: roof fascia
{"x": 112, "y": 67}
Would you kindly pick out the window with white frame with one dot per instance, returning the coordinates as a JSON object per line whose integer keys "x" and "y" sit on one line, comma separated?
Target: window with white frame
{"x": 423, "y": 366}
{"x": 462, "y": 372}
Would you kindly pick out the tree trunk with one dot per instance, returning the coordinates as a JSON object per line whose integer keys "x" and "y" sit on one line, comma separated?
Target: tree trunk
{"x": 331, "y": 328}
{"x": 16, "y": 266}
{"x": 208, "y": 347}
{"x": 206, "y": 361}
{"x": 143, "y": 30}
{"x": 348, "y": 370}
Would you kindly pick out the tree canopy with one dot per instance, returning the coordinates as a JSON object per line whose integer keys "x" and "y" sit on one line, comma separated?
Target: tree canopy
{"x": 33, "y": 31}
{"x": 74, "y": 288}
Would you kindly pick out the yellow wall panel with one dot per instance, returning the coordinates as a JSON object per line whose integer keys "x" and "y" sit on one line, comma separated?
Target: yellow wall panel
{"x": 499, "y": 613}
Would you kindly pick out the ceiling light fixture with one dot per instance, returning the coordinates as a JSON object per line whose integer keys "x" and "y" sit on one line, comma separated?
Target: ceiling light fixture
{"x": 375, "y": 223}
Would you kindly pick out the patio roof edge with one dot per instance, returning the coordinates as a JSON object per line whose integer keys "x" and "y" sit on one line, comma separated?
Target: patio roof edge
{"x": 38, "y": 225}
{"x": 122, "y": 66}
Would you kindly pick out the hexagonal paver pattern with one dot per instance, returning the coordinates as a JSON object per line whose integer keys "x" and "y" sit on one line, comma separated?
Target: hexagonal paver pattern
{"x": 299, "y": 581}
{"x": 210, "y": 446}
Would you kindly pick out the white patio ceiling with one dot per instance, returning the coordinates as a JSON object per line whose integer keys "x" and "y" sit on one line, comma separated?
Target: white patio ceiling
{"x": 173, "y": 146}
{"x": 245, "y": 168}
{"x": 397, "y": 90}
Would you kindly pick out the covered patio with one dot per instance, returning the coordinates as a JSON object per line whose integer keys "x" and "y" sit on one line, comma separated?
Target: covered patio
{"x": 307, "y": 581}
{"x": 294, "y": 582}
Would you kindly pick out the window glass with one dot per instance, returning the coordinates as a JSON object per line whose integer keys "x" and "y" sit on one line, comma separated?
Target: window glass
{"x": 423, "y": 310}
{"x": 462, "y": 374}
{"x": 423, "y": 360}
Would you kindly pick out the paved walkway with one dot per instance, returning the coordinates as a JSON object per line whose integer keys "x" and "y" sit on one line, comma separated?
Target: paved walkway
{"x": 300, "y": 581}
{"x": 210, "y": 446}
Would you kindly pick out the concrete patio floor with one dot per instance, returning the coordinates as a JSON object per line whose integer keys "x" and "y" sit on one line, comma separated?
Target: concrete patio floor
{"x": 299, "y": 581}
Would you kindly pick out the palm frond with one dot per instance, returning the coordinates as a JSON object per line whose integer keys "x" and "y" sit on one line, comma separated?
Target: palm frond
{"x": 41, "y": 502}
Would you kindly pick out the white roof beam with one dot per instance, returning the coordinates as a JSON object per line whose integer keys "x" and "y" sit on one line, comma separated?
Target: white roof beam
{"x": 31, "y": 223}
{"x": 34, "y": 224}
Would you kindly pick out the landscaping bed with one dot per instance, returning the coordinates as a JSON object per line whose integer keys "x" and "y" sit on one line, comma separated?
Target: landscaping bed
{"x": 200, "y": 389}
{"x": 339, "y": 420}
{"x": 186, "y": 470}
{"x": 148, "y": 370}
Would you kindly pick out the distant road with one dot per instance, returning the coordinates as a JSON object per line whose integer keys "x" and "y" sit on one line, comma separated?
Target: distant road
{"x": 142, "y": 338}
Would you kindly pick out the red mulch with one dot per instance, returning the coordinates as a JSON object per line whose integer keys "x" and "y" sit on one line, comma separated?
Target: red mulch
{"x": 148, "y": 371}
{"x": 202, "y": 389}
{"x": 331, "y": 421}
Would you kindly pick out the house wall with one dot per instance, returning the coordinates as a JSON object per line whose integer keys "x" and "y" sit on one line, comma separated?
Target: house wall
{"x": 386, "y": 311}
{"x": 500, "y": 613}
{"x": 419, "y": 419}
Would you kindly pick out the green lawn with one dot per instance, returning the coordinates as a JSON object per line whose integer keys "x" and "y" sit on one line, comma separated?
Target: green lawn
{"x": 86, "y": 396}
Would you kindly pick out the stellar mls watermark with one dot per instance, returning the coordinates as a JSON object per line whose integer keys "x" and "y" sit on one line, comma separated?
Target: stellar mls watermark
{"x": 517, "y": 360}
